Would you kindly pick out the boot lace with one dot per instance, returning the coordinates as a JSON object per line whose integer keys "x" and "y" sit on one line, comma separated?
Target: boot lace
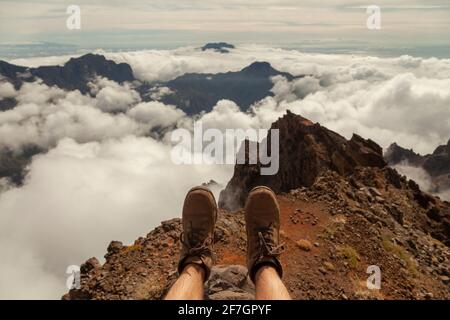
{"x": 194, "y": 245}
{"x": 266, "y": 244}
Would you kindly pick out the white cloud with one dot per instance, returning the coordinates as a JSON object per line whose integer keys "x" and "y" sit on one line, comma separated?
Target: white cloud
{"x": 159, "y": 92}
{"x": 156, "y": 114}
{"x": 405, "y": 109}
{"x": 227, "y": 115}
{"x": 47, "y": 114}
{"x": 386, "y": 99}
{"x": 422, "y": 178}
{"x": 417, "y": 174}
{"x": 164, "y": 65}
{"x": 79, "y": 197}
{"x": 289, "y": 91}
{"x": 112, "y": 97}
{"x": 7, "y": 90}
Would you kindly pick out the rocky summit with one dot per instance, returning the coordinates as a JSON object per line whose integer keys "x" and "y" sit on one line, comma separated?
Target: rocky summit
{"x": 306, "y": 150}
{"x": 342, "y": 210}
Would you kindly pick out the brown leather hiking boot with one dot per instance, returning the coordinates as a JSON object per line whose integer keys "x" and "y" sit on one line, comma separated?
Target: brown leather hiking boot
{"x": 262, "y": 217}
{"x": 199, "y": 219}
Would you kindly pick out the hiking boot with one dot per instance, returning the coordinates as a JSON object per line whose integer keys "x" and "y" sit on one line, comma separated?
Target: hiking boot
{"x": 262, "y": 218}
{"x": 199, "y": 219}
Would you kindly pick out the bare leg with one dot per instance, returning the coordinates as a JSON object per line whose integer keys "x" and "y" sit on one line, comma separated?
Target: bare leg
{"x": 269, "y": 285}
{"x": 189, "y": 285}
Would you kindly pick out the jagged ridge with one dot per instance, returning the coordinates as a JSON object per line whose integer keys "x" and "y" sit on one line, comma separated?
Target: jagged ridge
{"x": 306, "y": 150}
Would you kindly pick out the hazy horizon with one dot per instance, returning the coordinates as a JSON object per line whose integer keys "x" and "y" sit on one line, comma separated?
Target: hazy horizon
{"x": 413, "y": 27}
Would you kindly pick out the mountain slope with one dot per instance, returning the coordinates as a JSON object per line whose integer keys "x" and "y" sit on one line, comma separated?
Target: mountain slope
{"x": 344, "y": 236}
{"x": 333, "y": 229}
{"x": 73, "y": 75}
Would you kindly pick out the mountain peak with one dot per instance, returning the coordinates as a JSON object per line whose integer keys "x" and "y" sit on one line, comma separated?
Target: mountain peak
{"x": 260, "y": 68}
{"x": 396, "y": 154}
{"x": 443, "y": 149}
{"x": 221, "y": 47}
{"x": 87, "y": 59}
{"x": 306, "y": 150}
{"x": 195, "y": 92}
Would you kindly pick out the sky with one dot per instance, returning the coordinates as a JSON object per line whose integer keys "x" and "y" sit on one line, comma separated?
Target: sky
{"x": 417, "y": 25}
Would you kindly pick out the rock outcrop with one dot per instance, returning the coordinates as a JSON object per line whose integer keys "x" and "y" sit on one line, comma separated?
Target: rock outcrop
{"x": 306, "y": 150}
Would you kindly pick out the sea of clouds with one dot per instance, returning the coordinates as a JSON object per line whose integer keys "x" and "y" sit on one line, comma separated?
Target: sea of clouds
{"x": 106, "y": 178}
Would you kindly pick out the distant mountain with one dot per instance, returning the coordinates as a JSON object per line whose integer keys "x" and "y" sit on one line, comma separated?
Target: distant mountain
{"x": 437, "y": 164}
{"x": 396, "y": 154}
{"x": 77, "y": 72}
{"x": 221, "y": 47}
{"x": 194, "y": 92}
{"x": 14, "y": 74}
{"x": 74, "y": 75}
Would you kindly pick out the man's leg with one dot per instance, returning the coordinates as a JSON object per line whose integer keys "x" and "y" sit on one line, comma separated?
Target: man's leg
{"x": 269, "y": 285}
{"x": 262, "y": 218}
{"x": 194, "y": 267}
{"x": 189, "y": 285}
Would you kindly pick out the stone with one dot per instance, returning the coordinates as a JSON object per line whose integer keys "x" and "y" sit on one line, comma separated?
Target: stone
{"x": 304, "y": 244}
{"x": 322, "y": 270}
{"x": 428, "y": 296}
{"x": 89, "y": 265}
{"x": 231, "y": 295}
{"x": 329, "y": 266}
{"x": 375, "y": 192}
{"x": 445, "y": 279}
{"x": 231, "y": 279}
{"x": 115, "y": 246}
